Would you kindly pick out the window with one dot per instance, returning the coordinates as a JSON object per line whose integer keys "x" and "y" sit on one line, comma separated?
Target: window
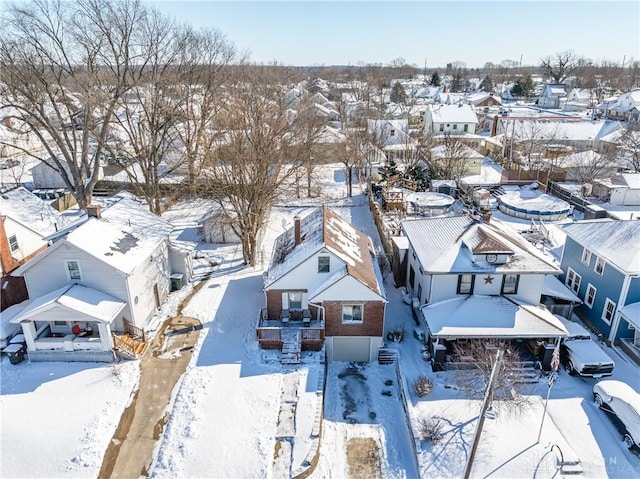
{"x": 573, "y": 280}
{"x": 352, "y": 313}
{"x": 599, "y": 268}
{"x": 510, "y": 283}
{"x": 412, "y": 277}
{"x": 442, "y": 127}
{"x": 295, "y": 301}
{"x": 73, "y": 270}
{"x": 590, "y": 295}
{"x": 586, "y": 256}
{"x": 60, "y": 324}
{"x": 608, "y": 311}
{"x": 392, "y": 133}
{"x": 465, "y": 283}
{"x": 420, "y": 293}
{"x": 323, "y": 264}
{"x": 466, "y": 127}
{"x": 455, "y": 127}
{"x": 13, "y": 243}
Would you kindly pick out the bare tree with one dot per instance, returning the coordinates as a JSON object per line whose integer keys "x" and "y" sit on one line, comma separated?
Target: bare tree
{"x": 448, "y": 157}
{"x": 252, "y": 164}
{"x": 629, "y": 145}
{"x": 531, "y": 140}
{"x": 562, "y": 65}
{"x": 589, "y": 166}
{"x": 507, "y": 391}
{"x": 64, "y": 66}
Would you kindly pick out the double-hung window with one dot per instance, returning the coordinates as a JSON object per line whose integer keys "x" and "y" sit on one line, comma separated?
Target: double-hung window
{"x": 510, "y": 283}
{"x": 74, "y": 273}
{"x": 573, "y": 280}
{"x": 13, "y": 243}
{"x": 608, "y": 311}
{"x": 590, "y": 295}
{"x": 599, "y": 267}
{"x": 586, "y": 256}
{"x": 465, "y": 284}
{"x": 324, "y": 263}
{"x": 295, "y": 301}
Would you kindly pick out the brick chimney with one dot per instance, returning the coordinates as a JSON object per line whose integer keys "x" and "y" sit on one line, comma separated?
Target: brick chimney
{"x": 93, "y": 211}
{"x": 297, "y": 231}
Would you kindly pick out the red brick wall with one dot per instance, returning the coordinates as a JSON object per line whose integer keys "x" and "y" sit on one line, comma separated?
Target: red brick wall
{"x": 372, "y": 325}
{"x": 274, "y": 303}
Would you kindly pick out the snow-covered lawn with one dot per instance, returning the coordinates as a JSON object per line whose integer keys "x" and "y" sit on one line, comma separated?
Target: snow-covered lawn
{"x": 234, "y": 399}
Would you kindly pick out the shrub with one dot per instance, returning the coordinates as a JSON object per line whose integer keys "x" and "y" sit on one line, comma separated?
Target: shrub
{"x": 430, "y": 429}
{"x": 422, "y": 385}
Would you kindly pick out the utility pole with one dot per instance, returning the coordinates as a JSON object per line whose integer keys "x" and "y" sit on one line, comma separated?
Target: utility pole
{"x": 488, "y": 396}
{"x": 555, "y": 364}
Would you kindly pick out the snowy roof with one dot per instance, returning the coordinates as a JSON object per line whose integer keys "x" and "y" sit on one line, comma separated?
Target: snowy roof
{"x": 7, "y": 328}
{"x": 76, "y": 298}
{"x": 552, "y": 286}
{"x": 461, "y": 113}
{"x": 447, "y": 245}
{"x": 490, "y": 317}
{"x": 632, "y": 313}
{"x": 441, "y": 151}
{"x": 490, "y": 174}
{"x": 128, "y": 211}
{"x": 559, "y": 130}
{"x": 583, "y": 158}
{"x": 629, "y": 180}
{"x": 324, "y": 228}
{"x": 616, "y": 241}
{"x": 24, "y": 207}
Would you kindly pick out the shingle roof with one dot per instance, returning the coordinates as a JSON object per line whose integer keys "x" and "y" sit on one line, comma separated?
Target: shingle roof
{"x": 453, "y": 113}
{"x": 616, "y": 241}
{"x": 325, "y": 228}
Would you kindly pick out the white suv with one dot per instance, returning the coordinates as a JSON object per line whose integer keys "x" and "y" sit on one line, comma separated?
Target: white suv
{"x": 623, "y": 404}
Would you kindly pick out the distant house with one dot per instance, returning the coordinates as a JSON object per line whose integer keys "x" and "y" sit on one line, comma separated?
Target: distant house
{"x": 601, "y": 264}
{"x": 45, "y": 176}
{"x": 579, "y": 99}
{"x": 324, "y": 276}
{"x": 470, "y": 279}
{"x": 620, "y": 190}
{"x": 626, "y": 107}
{"x": 106, "y": 277}
{"x": 460, "y": 119}
{"x": 482, "y": 99}
{"x": 25, "y": 222}
{"x": 392, "y": 137}
{"x": 552, "y": 96}
{"x": 471, "y": 159}
{"x": 588, "y": 163}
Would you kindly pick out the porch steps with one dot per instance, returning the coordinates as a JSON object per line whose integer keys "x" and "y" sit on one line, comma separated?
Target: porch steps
{"x": 386, "y": 356}
{"x": 524, "y": 375}
{"x": 290, "y": 351}
{"x": 129, "y": 346}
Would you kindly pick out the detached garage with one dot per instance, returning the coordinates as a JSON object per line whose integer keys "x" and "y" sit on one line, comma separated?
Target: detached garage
{"x": 352, "y": 348}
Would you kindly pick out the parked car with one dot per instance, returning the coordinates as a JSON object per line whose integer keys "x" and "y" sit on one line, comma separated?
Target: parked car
{"x": 581, "y": 355}
{"x": 622, "y": 403}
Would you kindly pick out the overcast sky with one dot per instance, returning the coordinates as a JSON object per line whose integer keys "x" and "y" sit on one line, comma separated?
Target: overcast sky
{"x": 436, "y": 32}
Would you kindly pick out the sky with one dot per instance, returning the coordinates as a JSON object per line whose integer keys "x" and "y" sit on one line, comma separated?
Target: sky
{"x": 421, "y": 32}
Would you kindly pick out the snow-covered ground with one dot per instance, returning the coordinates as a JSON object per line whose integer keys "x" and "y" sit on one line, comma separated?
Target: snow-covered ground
{"x": 234, "y": 399}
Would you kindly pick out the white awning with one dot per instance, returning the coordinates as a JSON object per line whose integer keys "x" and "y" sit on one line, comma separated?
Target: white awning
{"x": 490, "y": 317}
{"x": 553, "y": 287}
{"x": 631, "y": 313}
{"x": 77, "y": 299}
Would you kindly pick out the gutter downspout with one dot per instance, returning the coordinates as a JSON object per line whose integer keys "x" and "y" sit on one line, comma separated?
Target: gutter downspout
{"x": 321, "y": 308}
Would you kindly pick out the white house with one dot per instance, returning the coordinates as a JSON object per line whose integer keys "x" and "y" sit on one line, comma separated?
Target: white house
{"x": 626, "y": 107}
{"x": 46, "y": 177}
{"x": 457, "y": 119}
{"x": 552, "y": 96}
{"x": 392, "y": 137}
{"x": 471, "y": 279}
{"x": 619, "y": 190}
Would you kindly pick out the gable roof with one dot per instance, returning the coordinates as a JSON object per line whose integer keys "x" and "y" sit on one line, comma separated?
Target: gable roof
{"x": 616, "y": 241}
{"x": 78, "y": 299}
{"x": 324, "y": 228}
{"x": 25, "y": 208}
{"x": 447, "y": 245}
{"x": 461, "y": 113}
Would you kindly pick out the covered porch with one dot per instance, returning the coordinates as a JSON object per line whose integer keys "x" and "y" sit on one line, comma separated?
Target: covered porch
{"x": 70, "y": 324}
{"x": 490, "y": 318}
{"x": 629, "y": 318}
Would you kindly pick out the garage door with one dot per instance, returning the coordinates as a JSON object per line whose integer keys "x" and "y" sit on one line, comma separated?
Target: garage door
{"x": 351, "y": 349}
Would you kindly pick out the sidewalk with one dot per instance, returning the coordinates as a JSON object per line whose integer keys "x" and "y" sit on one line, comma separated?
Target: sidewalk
{"x": 131, "y": 449}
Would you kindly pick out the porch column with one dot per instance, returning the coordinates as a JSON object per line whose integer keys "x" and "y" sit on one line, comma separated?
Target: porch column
{"x": 105, "y": 336}
{"x": 29, "y": 331}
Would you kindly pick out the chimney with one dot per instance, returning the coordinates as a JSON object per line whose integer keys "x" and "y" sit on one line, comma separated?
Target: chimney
{"x": 486, "y": 216}
{"x": 93, "y": 211}
{"x": 297, "y": 230}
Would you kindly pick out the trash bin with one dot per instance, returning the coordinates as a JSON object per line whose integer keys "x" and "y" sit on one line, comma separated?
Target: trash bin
{"x": 17, "y": 352}
{"x": 177, "y": 280}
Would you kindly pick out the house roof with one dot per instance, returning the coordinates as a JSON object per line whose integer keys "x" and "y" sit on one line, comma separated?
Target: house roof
{"x": 616, "y": 241}
{"x": 441, "y": 151}
{"x": 552, "y": 286}
{"x": 76, "y": 298}
{"x": 461, "y": 113}
{"x": 631, "y": 312}
{"x": 446, "y": 245}
{"x": 324, "y": 228}
{"x": 24, "y": 207}
{"x": 490, "y": 317}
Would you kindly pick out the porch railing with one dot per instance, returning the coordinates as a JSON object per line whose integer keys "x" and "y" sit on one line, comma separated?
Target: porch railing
{"x": 135, "y": 331}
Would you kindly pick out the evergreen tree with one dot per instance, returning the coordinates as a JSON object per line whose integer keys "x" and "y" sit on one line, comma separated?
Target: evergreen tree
{"x": 516, "y": 90}
{"x": 487, "y": 84}
{"x": 435, "y": 79}
{"x": 389, "y": 170}
{"x": 398, "y": 95}
{"x": 456, "y": 83}
{"x": 420, "y": 175}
